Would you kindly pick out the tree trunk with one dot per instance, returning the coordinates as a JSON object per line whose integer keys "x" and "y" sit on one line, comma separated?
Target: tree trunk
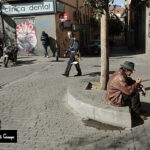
{"x": 104, "y": 52}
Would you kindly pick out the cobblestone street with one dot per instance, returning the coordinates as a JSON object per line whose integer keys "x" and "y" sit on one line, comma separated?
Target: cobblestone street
{"x": 32, "y": 101}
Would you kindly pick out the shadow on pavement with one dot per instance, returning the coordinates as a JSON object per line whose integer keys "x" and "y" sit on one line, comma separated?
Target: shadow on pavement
{"x": 99, "y": 125}
{"x": 93, "y": 74}
{"x": 57, "y": 61}
{"x": 96, "y": 66}
{"x": 24, "y": 62}
{"x": 146, "y": 107}
{"x": 136, "y": 121}
{"x": 147, "y": 88}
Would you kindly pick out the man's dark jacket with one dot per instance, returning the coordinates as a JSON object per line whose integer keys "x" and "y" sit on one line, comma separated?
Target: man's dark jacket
{"x": 44, "y": 39}
{"x": 73, "y": 46}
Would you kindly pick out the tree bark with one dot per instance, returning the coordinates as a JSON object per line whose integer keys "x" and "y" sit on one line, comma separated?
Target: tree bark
{"x": 104, "y": 52}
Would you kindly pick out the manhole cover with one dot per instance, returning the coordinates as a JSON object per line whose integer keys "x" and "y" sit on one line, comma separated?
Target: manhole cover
{"x": 99, "y": 125}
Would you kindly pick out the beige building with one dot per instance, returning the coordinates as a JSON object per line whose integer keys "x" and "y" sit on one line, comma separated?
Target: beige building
{"x": 138, "y": 25}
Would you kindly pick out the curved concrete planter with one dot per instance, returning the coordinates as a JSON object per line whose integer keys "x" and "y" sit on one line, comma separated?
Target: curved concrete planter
{"x": 87, "y": 104}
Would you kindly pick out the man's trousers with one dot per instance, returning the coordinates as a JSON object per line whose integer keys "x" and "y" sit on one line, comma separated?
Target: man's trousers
{"x": 45, "y": 50}
{"x": 69, "y": 65}
{"x": 133, "y": 101}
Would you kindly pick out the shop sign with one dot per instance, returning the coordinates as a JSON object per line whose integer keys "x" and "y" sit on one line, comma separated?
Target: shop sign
{"x": 28, "y": 8}
{"x": 63, "y": 17}
{"x": 60, "y": 7}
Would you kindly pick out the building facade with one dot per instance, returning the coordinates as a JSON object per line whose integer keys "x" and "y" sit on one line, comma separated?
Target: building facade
{"x": 138, "y": 25}
{"x": 24, "y": 21}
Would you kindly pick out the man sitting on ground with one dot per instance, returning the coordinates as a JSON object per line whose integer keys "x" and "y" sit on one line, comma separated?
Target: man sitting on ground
{"x": 124, "y": 91}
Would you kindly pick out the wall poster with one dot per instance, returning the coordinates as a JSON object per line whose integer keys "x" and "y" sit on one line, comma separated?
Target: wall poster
{"x": 26, "y": 35}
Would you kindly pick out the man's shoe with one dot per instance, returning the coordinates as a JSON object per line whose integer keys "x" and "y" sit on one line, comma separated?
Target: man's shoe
{"x": 79, "y": 74}
{"x": 65, "y": 75}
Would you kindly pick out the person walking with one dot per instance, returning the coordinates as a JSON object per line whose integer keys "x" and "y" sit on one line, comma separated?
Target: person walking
{"x": 44, "y": 39}
{"x": 73, "y": 50}
{"x": 122, "y": 90}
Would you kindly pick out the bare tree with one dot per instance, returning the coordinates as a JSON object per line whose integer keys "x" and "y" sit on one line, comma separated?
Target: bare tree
{"x": 101, "y": 9}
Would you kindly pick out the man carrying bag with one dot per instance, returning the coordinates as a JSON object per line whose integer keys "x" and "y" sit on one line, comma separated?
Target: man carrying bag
{"x": 73, "y": 49}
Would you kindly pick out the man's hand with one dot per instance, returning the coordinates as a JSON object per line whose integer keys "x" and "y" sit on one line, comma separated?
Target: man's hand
{"x": 143, "y": 91}
{"x": 138, "y": 80}
{"x": 64, "y": 55}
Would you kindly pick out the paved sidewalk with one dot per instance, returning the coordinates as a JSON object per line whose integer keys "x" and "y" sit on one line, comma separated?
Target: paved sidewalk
{"x": 32, "y": 102}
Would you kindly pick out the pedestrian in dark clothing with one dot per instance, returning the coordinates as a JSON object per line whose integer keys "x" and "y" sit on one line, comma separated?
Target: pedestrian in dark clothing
{"x": 44, "y": 39}
{"x": 124, "y": 91}
{"x": 73, "y": 50}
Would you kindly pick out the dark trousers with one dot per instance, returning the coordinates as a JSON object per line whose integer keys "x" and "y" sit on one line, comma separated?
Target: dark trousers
{"x": 69, "y": 65}
{"x": 45, "y": 49}
{"x": 133, "y": 101}
{"x": 1, "y": 52}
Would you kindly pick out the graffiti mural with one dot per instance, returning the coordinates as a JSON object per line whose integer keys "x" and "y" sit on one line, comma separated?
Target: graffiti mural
{"x": 26, "y": 36}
